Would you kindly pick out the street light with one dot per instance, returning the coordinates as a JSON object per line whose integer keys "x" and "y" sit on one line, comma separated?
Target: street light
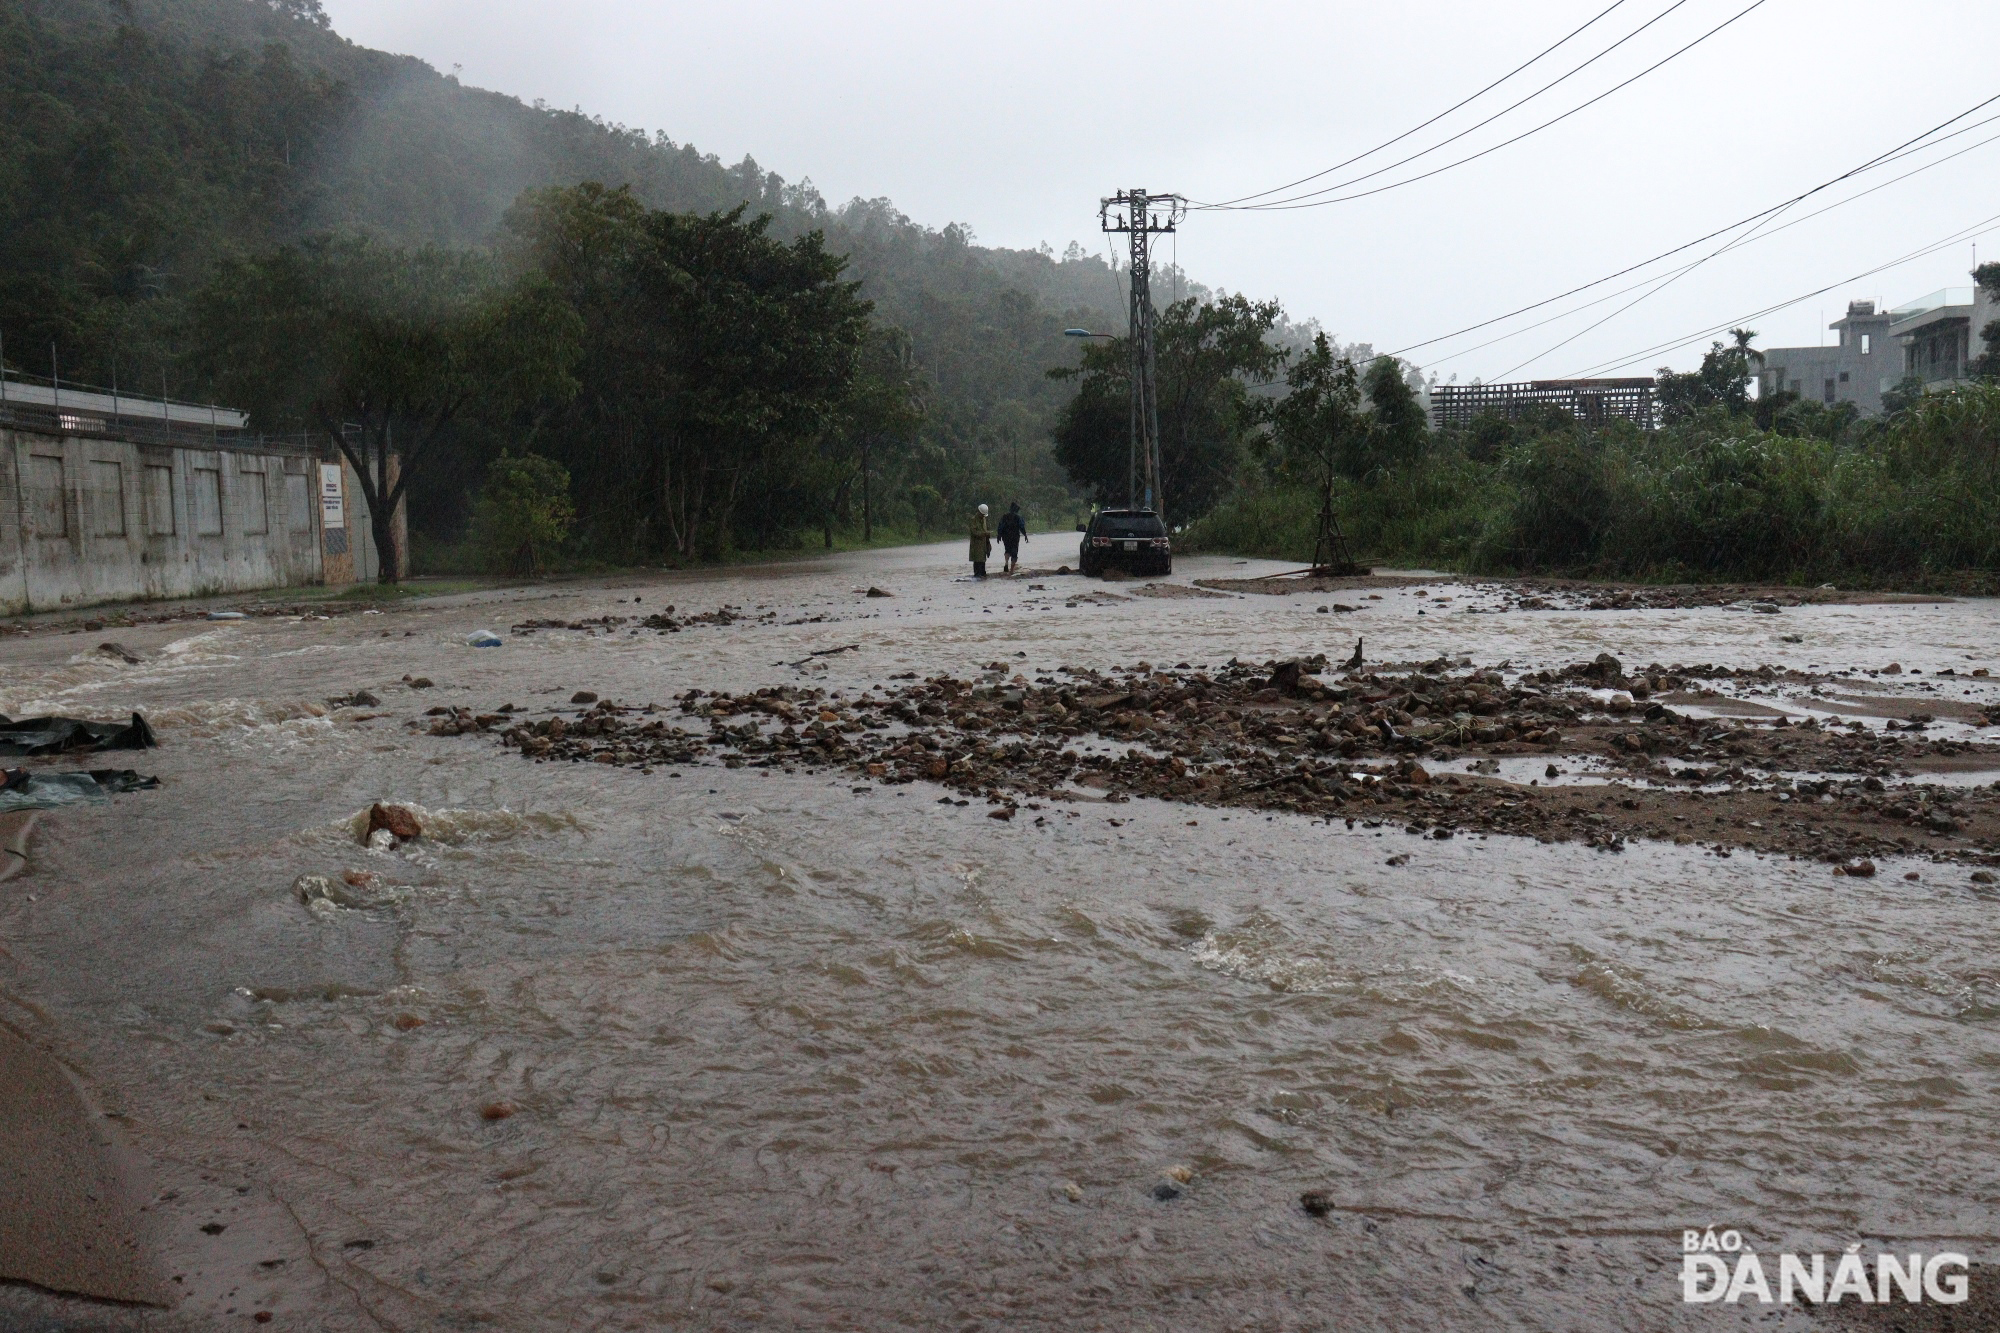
{"x": 1086, "y": 333}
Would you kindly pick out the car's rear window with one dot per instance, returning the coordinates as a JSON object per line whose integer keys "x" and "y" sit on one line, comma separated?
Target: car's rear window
{"x": 1130, "y": 525}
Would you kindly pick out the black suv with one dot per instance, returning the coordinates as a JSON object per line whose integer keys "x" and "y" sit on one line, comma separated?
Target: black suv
{"x": 1134, "y": 540}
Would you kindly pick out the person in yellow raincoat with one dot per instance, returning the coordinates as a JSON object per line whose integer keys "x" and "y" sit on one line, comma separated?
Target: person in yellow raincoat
{"x": 982, "y": 543}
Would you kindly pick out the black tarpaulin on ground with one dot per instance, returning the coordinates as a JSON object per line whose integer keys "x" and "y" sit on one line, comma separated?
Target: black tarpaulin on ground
{"x": 21, "y": 789}
{"x": 66, "y": 735}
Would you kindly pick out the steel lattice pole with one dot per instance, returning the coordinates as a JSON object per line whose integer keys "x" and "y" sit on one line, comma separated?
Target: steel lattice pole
{"x": 1133, "y": 212}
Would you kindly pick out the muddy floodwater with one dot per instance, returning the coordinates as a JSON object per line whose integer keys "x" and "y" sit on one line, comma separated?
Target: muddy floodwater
{"x": 716, "y": 1047}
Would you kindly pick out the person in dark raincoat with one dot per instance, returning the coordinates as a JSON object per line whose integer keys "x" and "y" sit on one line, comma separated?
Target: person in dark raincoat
{"x": 982, "y": 543}
{"x": 1013, "y": 531}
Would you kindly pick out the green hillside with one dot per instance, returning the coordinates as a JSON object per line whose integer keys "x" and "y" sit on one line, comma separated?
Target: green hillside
{"x": 144, "y": 141}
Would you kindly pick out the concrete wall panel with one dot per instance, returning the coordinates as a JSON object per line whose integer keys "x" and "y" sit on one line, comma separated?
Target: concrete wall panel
{"x": 13, "y": 566}
{"x": 87, "y": 519}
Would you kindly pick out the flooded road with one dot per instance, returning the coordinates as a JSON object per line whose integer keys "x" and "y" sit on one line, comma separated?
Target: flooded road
{"x": 714, "y": 1047}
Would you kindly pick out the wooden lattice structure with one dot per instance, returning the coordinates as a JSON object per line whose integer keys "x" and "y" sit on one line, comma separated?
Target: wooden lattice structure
{"x": 1591, "y": 402}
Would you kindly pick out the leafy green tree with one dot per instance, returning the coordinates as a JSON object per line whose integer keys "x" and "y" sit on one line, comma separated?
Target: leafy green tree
{"x": 1908, "y": 392}
{"x": 1491, "y": 434}
{"x": 1398, "y": 432}
{"x": 385, "y": 351}
{"x": 716, "y": 361}
{"x": 1210, "y": 354}
{"x": 305, "y": 11}
{"x": 524, "y": 512}
{"x": 885, "y": 406}
{"x": 1320, "y": 429}
{"x": 1723, "y": 380}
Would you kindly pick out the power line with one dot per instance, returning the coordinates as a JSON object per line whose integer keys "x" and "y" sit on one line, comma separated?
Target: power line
{"x": 1903, "y": 149}
{"x": 1756, "y": 233}
{"x": 1387, "y": 143}
{"x": 1958, "y": 237}
{"x": 1309, "y": 199}
{"x": 1478, "y": 125}
{"x": 1614, "y": 295}
{"x": 1654, "y": 288}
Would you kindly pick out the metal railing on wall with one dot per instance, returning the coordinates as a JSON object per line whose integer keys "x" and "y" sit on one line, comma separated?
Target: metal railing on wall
{"x": 73, "y": 416}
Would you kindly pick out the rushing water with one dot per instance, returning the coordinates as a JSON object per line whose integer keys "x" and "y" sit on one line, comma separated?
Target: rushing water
{"x": 788, "y": 1052}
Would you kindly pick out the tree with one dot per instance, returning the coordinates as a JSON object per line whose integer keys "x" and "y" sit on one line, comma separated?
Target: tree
{"x": 1318, "y": 428}
{"x": 1210, "y": 355}
{"x": 885, "y": 404}
{"x": 1319, "y": 424}
{"x": 1723, "y": 380}
{"x": 384, "y": 350}
{"x": 1987, "y": 366}
{"x": 305, "y": 11}
{"x": 717, "y": 359}
{"x": 1397, "y": 429}
{"x": 524, "y": 511}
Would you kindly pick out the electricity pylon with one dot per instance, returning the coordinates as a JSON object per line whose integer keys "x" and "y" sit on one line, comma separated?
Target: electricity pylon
{"x": 1142, "y": 216}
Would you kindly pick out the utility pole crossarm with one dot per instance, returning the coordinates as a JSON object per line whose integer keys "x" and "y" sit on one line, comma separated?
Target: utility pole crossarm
{"x": 1142, "y": 215}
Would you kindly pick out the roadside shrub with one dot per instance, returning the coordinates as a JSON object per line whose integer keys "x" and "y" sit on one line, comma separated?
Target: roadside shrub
{"x": 1915, "y": 495}
{"x": 1706, "y": 498}
{"x": 523, "y": 513}
{"x": 1562, "y": 488}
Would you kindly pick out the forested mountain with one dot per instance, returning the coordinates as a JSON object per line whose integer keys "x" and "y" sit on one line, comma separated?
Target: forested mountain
{"x": 144, "y": 142}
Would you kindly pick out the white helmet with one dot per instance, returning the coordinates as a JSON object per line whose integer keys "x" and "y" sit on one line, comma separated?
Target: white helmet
{"x": 982, "y": 510}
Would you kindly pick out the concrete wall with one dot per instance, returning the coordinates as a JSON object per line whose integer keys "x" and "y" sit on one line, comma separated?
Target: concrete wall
{"x": 1863, "y": 363}
{"x": 91, "y": 519}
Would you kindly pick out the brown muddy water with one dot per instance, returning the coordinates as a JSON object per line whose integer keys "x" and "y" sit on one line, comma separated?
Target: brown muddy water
{"x": 764, "y": 1049}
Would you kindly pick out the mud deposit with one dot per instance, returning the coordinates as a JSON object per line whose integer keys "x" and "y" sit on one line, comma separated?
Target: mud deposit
{"x": 746, "y": 949}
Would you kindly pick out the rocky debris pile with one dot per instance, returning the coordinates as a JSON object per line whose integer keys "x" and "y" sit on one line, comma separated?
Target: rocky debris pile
{"x": 586, "y": 626}
{"x": 600, "y": 734}
{"x": 666, "y": 622}
{"x": 1284, "y": 735}
{"x": 460, "y": 720}
{"x": 1559, "y": 594}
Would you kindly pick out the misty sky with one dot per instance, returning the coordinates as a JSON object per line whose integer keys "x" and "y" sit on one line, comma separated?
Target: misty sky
{"x": 1015, "y": 118}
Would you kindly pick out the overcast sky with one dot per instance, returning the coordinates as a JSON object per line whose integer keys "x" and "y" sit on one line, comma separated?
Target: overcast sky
{"x": 1015, "y": 118}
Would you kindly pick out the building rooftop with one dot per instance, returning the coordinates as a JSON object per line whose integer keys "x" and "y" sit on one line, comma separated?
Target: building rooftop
{"x": 1943, "y": 296}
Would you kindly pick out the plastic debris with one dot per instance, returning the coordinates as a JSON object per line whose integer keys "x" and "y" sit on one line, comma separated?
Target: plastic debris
{"x": 23, "y": 790}
{"x": 63, "y": 735}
